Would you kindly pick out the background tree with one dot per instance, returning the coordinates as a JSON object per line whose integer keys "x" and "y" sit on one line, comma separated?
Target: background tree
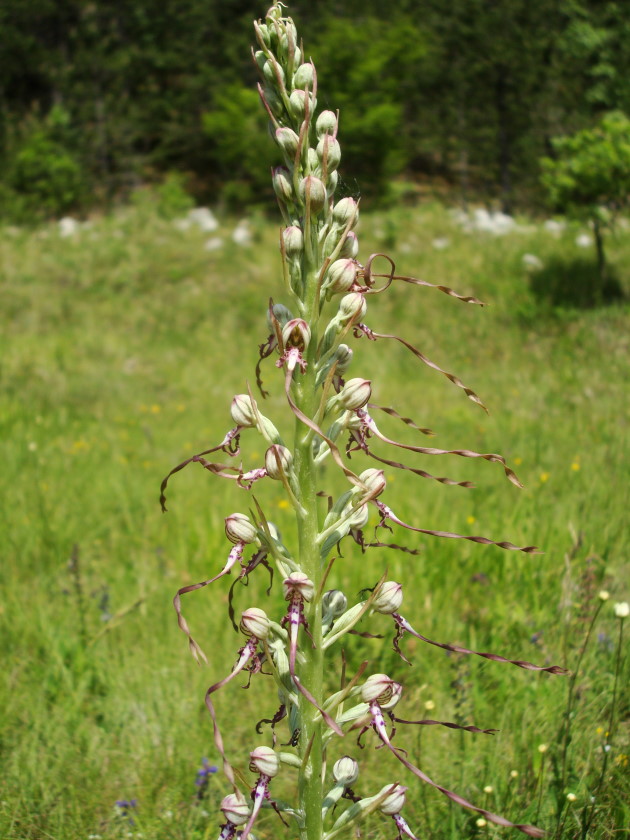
{"x": 590, "y": 176}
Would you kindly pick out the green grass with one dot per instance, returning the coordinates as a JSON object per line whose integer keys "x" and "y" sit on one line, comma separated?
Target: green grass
{"x": 120, "y": 352}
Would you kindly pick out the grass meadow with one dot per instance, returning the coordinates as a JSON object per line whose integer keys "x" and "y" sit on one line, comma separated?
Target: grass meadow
{"x": 121, "y": 348}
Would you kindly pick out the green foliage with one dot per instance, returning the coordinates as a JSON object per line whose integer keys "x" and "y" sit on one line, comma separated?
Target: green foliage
{"x": 42, "y": 178}
{"x": 590, "y": 175}
{"x": 467, "y": 91}
{"x": 235, "y": 129}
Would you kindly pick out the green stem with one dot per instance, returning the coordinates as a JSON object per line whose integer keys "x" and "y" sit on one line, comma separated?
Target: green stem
{"x": 310, "y": 784}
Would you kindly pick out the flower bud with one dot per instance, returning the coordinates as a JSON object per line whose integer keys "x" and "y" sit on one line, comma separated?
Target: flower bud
{"x": 345, "y": 210}
{"x": 388, "y": 598}
{"x": 260, "y": 58}
{"x": 622, "y": 609}
{"x": 342, "y": 275}
{"x": 326, "y": 124}
{"x": 374, "y": 480}
{"x": 381, "y": 688}
{"x": 343, "y": 356}
{"x": 359, "y": 518}
{"x": 331, "y": 183}
{"x": 350, "y": 246}
{"x": 328, "y": 149}
{"x": 239, "y": 528}
{"x": 235, "y": 808}
{"x": 313, "y": 193}
{"x": 303, "y": 77}
{"x": 355, "y": 394}
{"x": 288, "y": 141}
{"x": 281, "y": 314}
{"x": 293, "y": 239}
{"x": 274, "y": 100}
{"x": 313, "y": 162}
{"x": 296, "y": 333}
{"x": 278, "y": 461}
{"x": 274, "y": 531}
{"x": 282, "y": 184}
{"x": 353, "y": 306}
{"x": 265, "y": 761}
{"x": 334, "y": 602}
{"x": 298, "y": 582}
{"x": 272, "y": 71}
{"x": 298, "y": 102}
{"x": 254, "y": 622}
{"x": 262, "y": 30}
{"x": 394, "y": 803}
{"x": 243, "y": 410}
{"x": 345, "y": 771}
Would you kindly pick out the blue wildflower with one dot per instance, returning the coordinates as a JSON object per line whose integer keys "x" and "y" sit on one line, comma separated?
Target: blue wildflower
{"x": 203, "y": 777}
{"x": 124, "y": 807}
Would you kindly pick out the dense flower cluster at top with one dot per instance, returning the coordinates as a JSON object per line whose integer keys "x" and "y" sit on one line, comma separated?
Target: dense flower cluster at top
{"x": 328, "y": 289}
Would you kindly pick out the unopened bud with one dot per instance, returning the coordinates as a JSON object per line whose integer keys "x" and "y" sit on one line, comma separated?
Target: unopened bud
{"x": 313, "y": 193}
{"x": 235, "y": 808}
{"x": 298, "y": 102}
{"x": 303, "y": 77}
{"x": 326, "y": 123}
{"x": 342, "y": 275}
{"x": 331, "y": 183}
{"x": 274, "y": 100}
{"x": 243, "y": 410}
{"x": 293, "y": 239}
{"x": 359, "y": 518}
{"x": 346, "y": 771}
{"x": 265, "y": 761}
{"x": 282, "y": 184}
{"x": 334, "y": 603}
{"x": 374, "y": 480}
{"x": 353, "y": 306}
{"x": 329, "y": 150}
{"x": 296, "y": 333}
{"x": 381, "y": 688}
{"x": 254, "y": 622}
{"x": 395, "y": 802}
{"x": 349, "y": 246}
{"x": 345, "y": 210}
{"x": 260, "y": 58}
{"x": 272, "y": 71}
{"x": 388, "y": 597}
{"x": 288, "y": 141}
{"x": 262, "y": 30}
{"x": 313, "y": 162}
{"x": 300, "y": 583}
{"x": 343, "y": 356}
{"x": 278, "y": 460}
{"x": 274, "y": 531}
{"x": 355, "y": 394}
{"x": 281, "y": 314}
{"x": 239, "y": 528}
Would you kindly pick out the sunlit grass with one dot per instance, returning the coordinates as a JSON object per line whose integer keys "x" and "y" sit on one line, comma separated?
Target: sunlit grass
{"x": 121, "y": 349}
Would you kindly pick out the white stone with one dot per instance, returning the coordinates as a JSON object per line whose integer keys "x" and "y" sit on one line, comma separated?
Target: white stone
{"x": 204, "y": 219}
{"x": 555, "y": 227}
{"x": 68, "y": 226}
{"x": 242, "y": 234}
{"x": 532, "y": 261}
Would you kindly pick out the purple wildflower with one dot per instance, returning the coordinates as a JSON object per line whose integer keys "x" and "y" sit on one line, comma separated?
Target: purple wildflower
{"x": 124, "y": 807}
{"x": 203, "y": 777}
